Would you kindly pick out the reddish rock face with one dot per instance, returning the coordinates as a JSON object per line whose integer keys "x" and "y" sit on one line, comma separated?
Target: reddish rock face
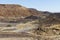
{"x": 13, "y": 11}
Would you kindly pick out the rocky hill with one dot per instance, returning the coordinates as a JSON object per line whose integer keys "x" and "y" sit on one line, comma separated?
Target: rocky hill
{"x": 48, "y": 23}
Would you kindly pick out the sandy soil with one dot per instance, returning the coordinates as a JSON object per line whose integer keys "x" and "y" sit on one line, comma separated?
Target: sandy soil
{"x": 17, "y": 38}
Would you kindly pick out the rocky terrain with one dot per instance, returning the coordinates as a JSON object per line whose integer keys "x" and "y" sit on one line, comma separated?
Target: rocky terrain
{"x": 20, "y": 23}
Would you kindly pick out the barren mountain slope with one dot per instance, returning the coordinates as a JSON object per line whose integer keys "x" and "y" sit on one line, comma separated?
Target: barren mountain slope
{"x": 48, "y": 23}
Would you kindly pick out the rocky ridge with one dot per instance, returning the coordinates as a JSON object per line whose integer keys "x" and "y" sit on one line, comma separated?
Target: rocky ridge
{"x": 49, "y": 23}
